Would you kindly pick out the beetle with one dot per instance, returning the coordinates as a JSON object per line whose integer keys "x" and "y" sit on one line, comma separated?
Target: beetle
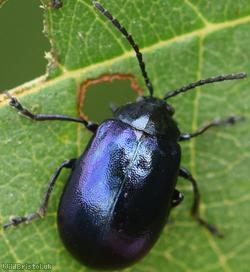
{"x": 122, "y": 188}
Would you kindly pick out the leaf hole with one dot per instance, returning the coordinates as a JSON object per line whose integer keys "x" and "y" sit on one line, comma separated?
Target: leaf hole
{"x": 96, "y": 95}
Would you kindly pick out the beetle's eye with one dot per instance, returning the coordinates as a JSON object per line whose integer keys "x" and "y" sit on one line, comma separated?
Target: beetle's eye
{"x": 170, "y": 109}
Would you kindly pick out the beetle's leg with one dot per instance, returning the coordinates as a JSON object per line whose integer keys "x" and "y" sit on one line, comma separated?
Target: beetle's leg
{"x": 177, "y": 198}
{"x": 195, "y": 211}
{"x": 113, "y": 107}
{"x": 44, "y": 205}
{"x": 217, "y": 122}
{"x": 48, "y": 117}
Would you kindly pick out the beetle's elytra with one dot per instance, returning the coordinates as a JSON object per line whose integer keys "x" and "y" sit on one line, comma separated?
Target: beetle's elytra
{"x": 122, "y": 188}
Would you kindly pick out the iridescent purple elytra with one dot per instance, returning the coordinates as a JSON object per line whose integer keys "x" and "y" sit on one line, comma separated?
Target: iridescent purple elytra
{"x": 109, "y": 213}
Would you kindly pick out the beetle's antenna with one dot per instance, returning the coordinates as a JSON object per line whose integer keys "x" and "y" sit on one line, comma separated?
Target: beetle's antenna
{"x": 203, "y": 82}
{"x": 131, "y": 41}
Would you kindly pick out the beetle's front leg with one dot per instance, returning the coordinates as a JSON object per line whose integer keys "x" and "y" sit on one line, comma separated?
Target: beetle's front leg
{"x": 48, "y": 117}
{"x": 113, "y": 107}
{"x": 44, "y": 205}
{"x": 217, "y": 122}
{"x": 177, "y": 198}
{"x": 195, "y": 211}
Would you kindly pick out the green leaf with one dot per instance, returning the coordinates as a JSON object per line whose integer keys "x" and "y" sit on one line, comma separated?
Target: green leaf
{"x": 2, "y": 2}
{"x": 182, "y": 41}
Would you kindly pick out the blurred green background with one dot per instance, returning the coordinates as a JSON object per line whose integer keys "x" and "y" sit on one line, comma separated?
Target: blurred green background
{"x": 22, "y": 51}
{"x": 22, "y": 43}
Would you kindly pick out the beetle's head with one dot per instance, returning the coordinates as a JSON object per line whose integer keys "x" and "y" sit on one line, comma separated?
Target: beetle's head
{"x": 157, "y": 101}
{"x": 150, "y": 114}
